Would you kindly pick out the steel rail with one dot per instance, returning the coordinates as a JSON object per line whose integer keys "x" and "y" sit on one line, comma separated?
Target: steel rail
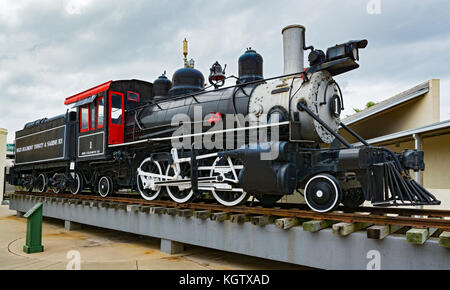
{"x": 372, "y": 216}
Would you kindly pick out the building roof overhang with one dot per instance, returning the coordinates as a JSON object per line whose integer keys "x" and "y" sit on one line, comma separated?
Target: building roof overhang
{"x": 390, "y": 103}
{"x": 441, "y": 126}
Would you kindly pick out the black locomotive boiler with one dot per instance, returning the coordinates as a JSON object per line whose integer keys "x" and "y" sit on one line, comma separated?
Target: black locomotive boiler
{"x": 151, "y": 137}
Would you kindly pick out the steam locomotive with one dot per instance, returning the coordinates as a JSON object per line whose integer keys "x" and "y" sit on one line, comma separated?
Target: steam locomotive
{"x": 260, "y": 138}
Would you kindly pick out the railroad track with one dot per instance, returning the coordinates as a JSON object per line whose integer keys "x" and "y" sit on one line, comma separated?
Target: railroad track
{"x": 415, "y": 218}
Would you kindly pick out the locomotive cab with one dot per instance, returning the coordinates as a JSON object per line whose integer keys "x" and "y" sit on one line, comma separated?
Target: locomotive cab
{"x": 102, "y": 115}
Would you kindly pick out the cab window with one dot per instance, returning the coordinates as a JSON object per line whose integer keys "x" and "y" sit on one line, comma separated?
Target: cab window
{"x": 132, "y": 96}
{"x": 100, "y": 112}
{"x": 84, "y": 118}
{"x": 93, "y": 109}
{"x": 116, "y": 109}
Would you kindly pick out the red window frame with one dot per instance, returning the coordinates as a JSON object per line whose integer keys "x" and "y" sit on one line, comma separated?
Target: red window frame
{"x": 116, "y": 131}
{"x": 128, "y": 96}
{"x": 103, "y": 122}
{"x": 81, "y": 119}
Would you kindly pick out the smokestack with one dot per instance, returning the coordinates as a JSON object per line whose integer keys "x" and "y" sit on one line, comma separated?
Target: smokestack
{"x": 293, "y": 43}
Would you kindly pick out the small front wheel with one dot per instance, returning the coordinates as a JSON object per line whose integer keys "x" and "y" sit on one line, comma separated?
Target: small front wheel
{"x": 323, "y": 193}
{"x": 353, "y": 198}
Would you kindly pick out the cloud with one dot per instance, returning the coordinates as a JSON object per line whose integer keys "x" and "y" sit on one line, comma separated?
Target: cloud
{"x": 53, "y": 49}
{"x": 76, "y": 6}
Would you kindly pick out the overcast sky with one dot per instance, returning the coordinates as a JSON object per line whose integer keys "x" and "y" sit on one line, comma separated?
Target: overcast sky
{"x": 53, "y": 49}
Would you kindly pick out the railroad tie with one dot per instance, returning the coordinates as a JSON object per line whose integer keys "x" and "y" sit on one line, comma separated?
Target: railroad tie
{"x": 74, "y": 201}
{"x": 145, "y": 209}
{"x": 240, "y": 218}
{"x": 419, "y": 236}
{"x": 186, "y": 213}
{"x": 122, "y": 206}
{"x": 133, "y": 208}
{"x": 316, "y": 226}
{"x": 287, "y": 223}
{"x": 262, "y": 220}
{"x": 444, "y": 240}
{"x": 202, "y": 214}
{"x": 379, "y": 232}
{"x": 157, "y": 210}
{"x": 345, "y": 229}
{"x": 171, "y": 211}
{"x": 220, "y": 216}
{"x": 104, "y": 204}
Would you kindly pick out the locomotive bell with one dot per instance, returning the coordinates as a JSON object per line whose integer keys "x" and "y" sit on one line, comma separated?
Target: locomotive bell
{"x": 217, "y": 75}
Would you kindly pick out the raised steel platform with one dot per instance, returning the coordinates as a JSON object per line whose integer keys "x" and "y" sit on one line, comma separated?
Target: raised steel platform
{"x": 323, "y": 250}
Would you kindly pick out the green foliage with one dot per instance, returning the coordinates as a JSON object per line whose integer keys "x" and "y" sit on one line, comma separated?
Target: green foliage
{"x": 368, "y": 105}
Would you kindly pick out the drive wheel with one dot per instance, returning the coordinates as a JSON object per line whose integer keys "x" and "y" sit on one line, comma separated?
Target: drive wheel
{"x": 105, "y": 186}
{"x": 42, "y": 183}
{"x": 144, "y": 182}
{"x": 323, "y": 193}
{"x": 229, "y": 170}
{"x": 176, "y": 194}
{"x": 77, "y": 186}
{"x": 57, "y": 181}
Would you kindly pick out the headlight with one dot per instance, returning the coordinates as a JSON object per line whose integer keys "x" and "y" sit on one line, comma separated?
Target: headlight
{"x": 336, "y": 52}
{"x": 349, "y": 49}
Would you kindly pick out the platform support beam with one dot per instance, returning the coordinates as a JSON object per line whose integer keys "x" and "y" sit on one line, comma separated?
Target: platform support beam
{"x": 72, "y": 226}
{"x": 171, "y": 247}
